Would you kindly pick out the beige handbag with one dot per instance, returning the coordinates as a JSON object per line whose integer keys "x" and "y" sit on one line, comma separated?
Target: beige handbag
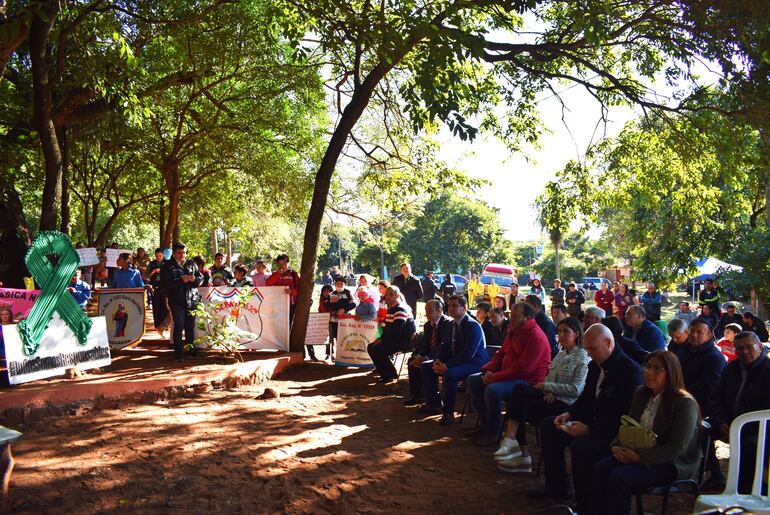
{"x": 632, "y": 435}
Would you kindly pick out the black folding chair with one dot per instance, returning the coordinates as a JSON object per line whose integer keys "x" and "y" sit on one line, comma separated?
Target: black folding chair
{"x": 680, "y": 486}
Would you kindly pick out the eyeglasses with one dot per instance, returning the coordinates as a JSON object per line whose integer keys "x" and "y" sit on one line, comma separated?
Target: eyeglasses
{"x": 653, "y": 367}
{"x": 744, "y": 348}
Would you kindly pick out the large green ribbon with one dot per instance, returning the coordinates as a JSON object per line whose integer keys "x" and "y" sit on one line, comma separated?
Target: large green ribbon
{"x": 53, "y": 281}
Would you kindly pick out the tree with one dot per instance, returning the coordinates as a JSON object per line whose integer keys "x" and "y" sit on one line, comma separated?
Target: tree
{"x": 556, "y": 210}
{"x": 671, "y": 191}
{"x": 450, "y": 68}
{"x": 455, "y": 234}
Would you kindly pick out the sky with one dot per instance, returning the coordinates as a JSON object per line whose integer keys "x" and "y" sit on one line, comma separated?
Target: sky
{"x": 514, "y": 180}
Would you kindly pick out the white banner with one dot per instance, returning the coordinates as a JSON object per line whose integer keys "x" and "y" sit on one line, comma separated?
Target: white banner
{"x": 88, "y": 256}
{"x": 264, "y": 321}
{"x": 124, "y": 311}
{"x": 113, "y": 255}
{"x": 59, "y": 350}
{"x": 317, "y": 329}
{"x": 353, "y": 338}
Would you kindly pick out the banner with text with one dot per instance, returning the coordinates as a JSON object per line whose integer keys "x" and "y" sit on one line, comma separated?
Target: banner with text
{"x": 59, "y": 350}
{"x": 353, "y": 337}
{"x": 20, "y": 301}
{"x": 263, "y": 321}
{"x": 88, "y": 256}
{"x": 317, "y": 329}
{"x": 124, "y": 311}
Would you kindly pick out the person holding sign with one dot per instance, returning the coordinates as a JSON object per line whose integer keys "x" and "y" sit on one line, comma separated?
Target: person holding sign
{"x": 396, "y": 336}
{"x": 285, "y": 276}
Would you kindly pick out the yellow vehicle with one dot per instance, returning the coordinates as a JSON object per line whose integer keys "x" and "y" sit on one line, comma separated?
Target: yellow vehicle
{"x": 502, "y": 275}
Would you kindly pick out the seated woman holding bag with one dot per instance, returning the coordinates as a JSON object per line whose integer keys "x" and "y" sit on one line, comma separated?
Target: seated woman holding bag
{"x": 658, "y": 442}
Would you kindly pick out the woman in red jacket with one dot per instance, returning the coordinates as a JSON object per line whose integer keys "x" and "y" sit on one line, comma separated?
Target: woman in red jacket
{"x": 524, "y": 357}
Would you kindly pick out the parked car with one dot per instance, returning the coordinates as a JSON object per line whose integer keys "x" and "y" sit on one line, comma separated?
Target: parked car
{"x": 594, "y": 283}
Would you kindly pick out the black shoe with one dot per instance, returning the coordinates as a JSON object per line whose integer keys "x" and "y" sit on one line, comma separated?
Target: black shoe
{"x": 427, "y": 409}
{"x": 384, "y": 380}
{"x": 447, "y": 419}
{"x": 412, "y": 401}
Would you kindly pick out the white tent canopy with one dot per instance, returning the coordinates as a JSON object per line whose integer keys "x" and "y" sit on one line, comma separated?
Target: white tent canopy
{"x": 707, "y": 267}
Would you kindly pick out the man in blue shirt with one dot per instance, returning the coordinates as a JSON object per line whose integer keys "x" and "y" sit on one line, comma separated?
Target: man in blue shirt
{"x": 650, "y": 301}
{"x": 79, "y": 289}
{"x": 125, "y": 276}
{"x": 641, "y": 330}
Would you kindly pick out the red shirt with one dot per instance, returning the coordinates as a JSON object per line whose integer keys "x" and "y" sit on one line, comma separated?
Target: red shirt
{"x": 525, "y": 354}
{"x": 605, "y": 300}
{"x": 288, "y": 278}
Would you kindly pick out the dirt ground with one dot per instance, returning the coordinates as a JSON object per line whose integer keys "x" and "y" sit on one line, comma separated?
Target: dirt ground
{"x": 334, "y": 442}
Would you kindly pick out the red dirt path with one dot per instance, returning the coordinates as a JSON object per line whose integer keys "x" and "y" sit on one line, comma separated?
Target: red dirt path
{"x": 335, "y": 442}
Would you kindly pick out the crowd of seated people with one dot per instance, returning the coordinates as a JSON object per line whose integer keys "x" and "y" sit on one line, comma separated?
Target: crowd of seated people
{"x": 599, "y": 373}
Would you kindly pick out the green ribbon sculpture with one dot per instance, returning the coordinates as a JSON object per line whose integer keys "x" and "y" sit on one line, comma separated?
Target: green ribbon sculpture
{"x": 54, "y": 296}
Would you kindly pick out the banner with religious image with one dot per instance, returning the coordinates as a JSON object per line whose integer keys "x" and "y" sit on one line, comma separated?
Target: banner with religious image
{"x": 353, "y": 338}
{"x": 262, "y": 322}
{"x": 124, "y": 310}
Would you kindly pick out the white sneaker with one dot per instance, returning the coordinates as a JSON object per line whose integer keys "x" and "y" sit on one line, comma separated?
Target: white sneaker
{"x": 509, "y": 448}
{"x": 517, "y": 464}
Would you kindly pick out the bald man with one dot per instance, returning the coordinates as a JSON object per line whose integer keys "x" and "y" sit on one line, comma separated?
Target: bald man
{"x": 591, "y": 423}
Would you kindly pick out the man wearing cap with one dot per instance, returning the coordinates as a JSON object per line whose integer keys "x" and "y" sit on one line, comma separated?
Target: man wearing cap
{"x": 728, "y": 317}
{"x": 429, "y": 288}
{"x": 710, "y": 296}
{"x": 575, "y": 300}
{"x": 285, "y": 276}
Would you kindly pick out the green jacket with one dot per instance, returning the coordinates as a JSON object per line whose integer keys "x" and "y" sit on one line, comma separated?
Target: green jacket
{"x": 677, "y": 426}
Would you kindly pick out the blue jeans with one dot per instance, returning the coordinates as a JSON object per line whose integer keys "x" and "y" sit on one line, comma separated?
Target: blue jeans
{"x": 614, "y": 483}
{"x": 452, "y": 376}
{"x": 487, "y": 399}
{"x": 183, "y": 321}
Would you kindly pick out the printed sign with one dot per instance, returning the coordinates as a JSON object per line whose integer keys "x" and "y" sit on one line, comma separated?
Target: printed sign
{"x": 353, "y": 338}
{"x": 124, "y": 311}
{"x": 20, "y": 301}
{"x": 88, "y": 256}
{"x": 263, "y": 321}
{"x": 317, "y": 329}
{"x": 113, "y": 255}
{"x": 59, "y": 350}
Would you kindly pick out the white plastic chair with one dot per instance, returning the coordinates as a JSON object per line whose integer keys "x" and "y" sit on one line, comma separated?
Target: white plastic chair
{"x": 754, "y": 502}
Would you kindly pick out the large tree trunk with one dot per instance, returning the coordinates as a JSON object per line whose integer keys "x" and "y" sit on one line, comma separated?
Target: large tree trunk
{"x": 42, "y": 108}
{"x": 323, "y": 177}
{"x": 13, "y": 246}
{"x": 556, "y": 258}
{"x": 171, "y": 178}
{"x": 65, "y": 177}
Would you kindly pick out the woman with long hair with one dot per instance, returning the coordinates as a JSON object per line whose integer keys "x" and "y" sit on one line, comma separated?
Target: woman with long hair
{"x": 662, "y": 406}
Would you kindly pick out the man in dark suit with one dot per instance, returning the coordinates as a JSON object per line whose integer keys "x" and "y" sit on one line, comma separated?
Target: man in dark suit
{"x": 410, "y": 286}
{"x": 642, "y": 331}
{"x": 429, "y": 288}
{"x": 464, "y": 354}
{"x": 591, "y": 423}
{"x": 437, "y": 330}
{"x": 744, "y": 387}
